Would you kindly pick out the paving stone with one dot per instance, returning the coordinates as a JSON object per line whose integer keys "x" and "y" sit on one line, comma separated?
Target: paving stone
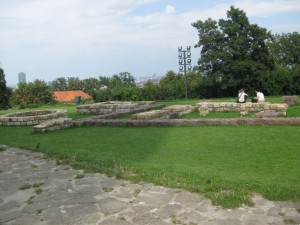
{"x": 169, "y": 210}
{"x": 8, "y": 216}
{"x": 111, "y": 205}
{"x": 27, "y": 219}
{"x": 145, "y": 218}
{"x": 64, "y": 174}
{"x": 115, "y": 221}
{"x": 188, "y": 199}
{"x": 154, "y": 198}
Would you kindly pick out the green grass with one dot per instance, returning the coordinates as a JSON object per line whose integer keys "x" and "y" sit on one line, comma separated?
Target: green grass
{"x": 227, "y": 164}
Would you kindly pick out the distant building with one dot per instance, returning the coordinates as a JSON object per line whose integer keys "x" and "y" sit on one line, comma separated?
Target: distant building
{"x": 154, "y": 79}
{"x": 22, "y": 77}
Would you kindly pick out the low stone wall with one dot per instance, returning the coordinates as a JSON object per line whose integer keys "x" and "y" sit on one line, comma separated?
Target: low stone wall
{"x": 31, "y": 117}
{"x": 103, "y": 108}
{"x": 150, "y": 115}
{"x": 290, "y": 100}
{"x": 243, "y": 108}
{"x": 180, "y": 109}
{"x": 51, "y": 125}
{"x": 190, "y": 122}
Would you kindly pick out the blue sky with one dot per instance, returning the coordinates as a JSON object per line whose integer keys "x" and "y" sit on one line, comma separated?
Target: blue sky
{"x": 48, "y": 39}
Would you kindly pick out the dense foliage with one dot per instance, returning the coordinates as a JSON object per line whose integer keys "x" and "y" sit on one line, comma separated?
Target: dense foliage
{"x": 5, "y": 92}
{"x": 32, "y": 94}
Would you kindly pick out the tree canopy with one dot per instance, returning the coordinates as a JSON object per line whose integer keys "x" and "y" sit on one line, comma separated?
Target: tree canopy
{"x": 285, "y": 49}
{"x": 234, "y": 53}
{"x": 5, "y": 92}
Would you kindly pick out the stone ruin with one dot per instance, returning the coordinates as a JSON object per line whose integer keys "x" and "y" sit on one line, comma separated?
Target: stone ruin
{"x": 148, "y": 113}
{"x": 31, "y": 117}
{"x": 103, "y": 108}
{"x": 290, "y": 100}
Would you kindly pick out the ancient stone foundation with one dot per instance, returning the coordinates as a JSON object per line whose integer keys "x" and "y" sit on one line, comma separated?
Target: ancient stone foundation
{"x": 55, "y": 124}
{"x": 31, "y": 117}
{"x": 189, "y": 122}
{"x": 180, "y": 109}
{"x": 290, "y": 100}
{"x": 150, "y": 115}
{"x": 104, "y": 108}
{"x": 243, "y": 108}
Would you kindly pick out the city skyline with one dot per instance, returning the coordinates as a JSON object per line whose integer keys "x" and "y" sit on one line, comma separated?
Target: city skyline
{"x": 48, "y": 39}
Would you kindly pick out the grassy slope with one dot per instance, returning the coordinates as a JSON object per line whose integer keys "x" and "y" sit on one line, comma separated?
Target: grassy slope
{"x": 226, "y": 164}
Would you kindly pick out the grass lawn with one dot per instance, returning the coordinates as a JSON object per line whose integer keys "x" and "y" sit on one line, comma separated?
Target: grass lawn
{"x": 227, "y": 164}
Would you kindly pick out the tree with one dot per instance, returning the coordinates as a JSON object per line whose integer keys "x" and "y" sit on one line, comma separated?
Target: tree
{"x": 90, "y": 86}
{"x": 172, "y": 86}
{"x": 5, "y": 92}
{"x": 234, "y": 53}
{"x": 59, "y": 84}
{"x": 150, "y": 91}
{"x": 74, "y": 83}
{"x": 285, "y": 49}
{"x": 33, "y": 93}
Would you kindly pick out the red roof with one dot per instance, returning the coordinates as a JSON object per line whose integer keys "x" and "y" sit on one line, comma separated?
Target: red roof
{"x": 69, "y": 96}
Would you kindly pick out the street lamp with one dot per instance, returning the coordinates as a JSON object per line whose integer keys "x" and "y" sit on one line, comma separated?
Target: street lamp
{"x": 185, "y": 63}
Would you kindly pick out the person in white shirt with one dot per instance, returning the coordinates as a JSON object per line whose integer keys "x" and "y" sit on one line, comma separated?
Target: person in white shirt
{"x": 260, "y": 97}
{"x": 242, "y": 96}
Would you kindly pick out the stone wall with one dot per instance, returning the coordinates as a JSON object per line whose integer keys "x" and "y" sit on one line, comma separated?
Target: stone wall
{"x": 165, "y": 113}
{"x": 150, "y": 115}
{"x": 55, "y": 124}
{"x": 189, "y": 122}
{"x": 180, "y": 109}
{"x": 31, "y": 117}
{"x": 104, "y": 108}
{"x": 243, "y": 108}
{"x": 290, "y": 100}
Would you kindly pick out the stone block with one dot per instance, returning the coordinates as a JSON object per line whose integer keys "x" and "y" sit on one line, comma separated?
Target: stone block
{"x": 290, "y": 100}
{"x": 243, "y": 113}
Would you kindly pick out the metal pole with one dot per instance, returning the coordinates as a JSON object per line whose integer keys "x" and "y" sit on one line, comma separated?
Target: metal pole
{"x": 184, "y": 60}
{"x": 185, "y": 79}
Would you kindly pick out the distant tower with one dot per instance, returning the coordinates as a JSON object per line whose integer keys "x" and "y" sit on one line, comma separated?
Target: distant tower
{"x": 22, "y": 77}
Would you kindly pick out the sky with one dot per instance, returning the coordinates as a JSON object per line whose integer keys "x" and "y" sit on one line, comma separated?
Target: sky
{"x": 48, "y": 39}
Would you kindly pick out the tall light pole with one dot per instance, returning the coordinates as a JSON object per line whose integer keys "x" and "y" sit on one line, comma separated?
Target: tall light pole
{"x": 185, "y": 63}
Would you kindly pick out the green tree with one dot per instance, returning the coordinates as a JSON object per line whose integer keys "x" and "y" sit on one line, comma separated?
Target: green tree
{"x": 74, "y": 83}
{"x": 33, "y": 93}
{"x": 150, "y": 91}
{"x": 90, "y": 86}
{"x": 59, "y": 84}
{"x": 234, "y": 53}
{"x": 296, "y": 79}
{"x": 194, "y": 85}
{"x": 285, "y": 49}
{"x": 172, "y": 86}
{"x": 5, "y": 92}
{"x": 277, "y": 82}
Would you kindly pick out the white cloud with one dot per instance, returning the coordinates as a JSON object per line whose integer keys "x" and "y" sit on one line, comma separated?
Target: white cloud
{"x": 170, "y": 9}
{"x": 266, "y": 8}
